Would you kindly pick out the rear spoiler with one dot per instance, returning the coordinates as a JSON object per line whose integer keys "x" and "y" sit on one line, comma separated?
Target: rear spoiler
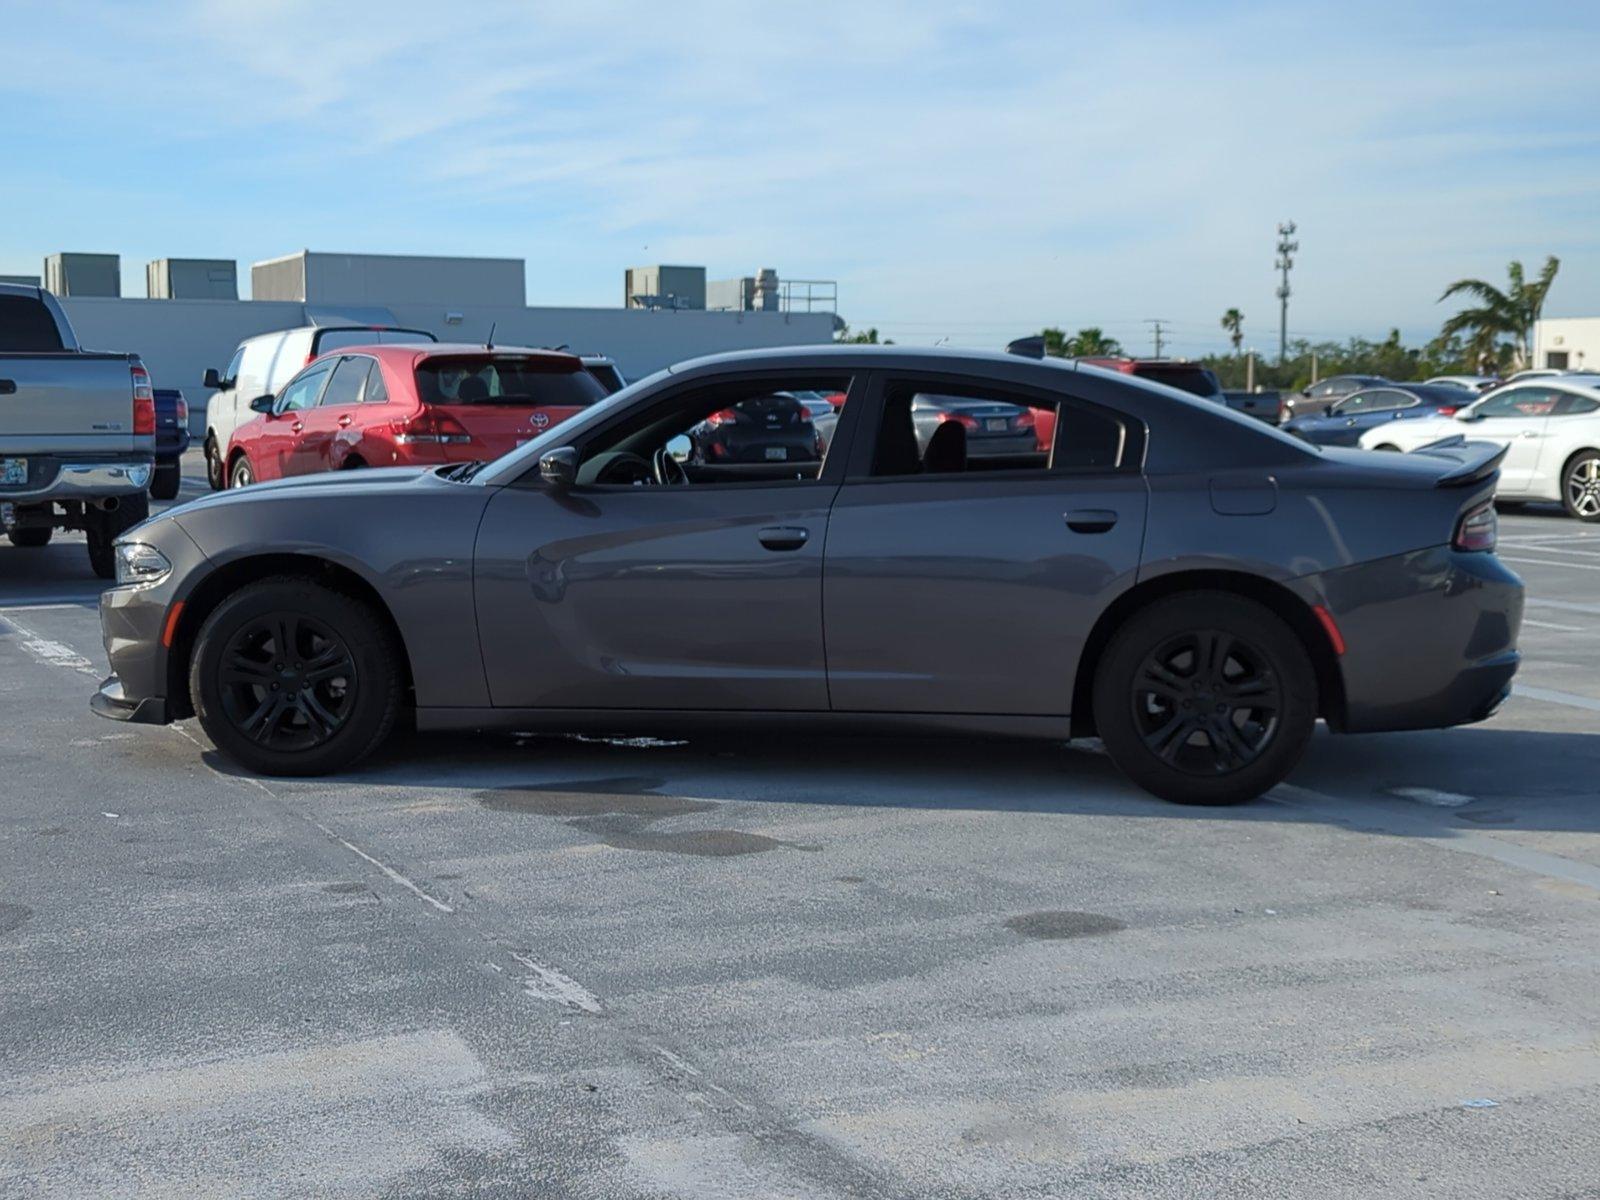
{"x": 1475, "y": 461}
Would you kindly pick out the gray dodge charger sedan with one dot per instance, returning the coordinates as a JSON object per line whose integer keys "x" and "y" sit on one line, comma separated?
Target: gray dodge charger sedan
{"x": 1194, "y": 587}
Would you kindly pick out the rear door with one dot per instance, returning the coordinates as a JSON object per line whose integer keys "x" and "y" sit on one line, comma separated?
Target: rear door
{"x": 972, "y": 590}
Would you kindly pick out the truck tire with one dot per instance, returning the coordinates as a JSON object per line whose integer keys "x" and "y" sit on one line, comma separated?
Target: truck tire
{"x": 166, "y": 480}
{"x": 103, "y": 527}
{"x": 30, "y": 538}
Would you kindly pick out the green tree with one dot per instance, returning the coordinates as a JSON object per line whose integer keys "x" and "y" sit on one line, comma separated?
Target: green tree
{"x": 1233, "y": 322}
{"x": 1508, "y": 313}
{"x": 864, "y": 337}
{"x": 1092, "y": 343}
{"x": 1055, "y": 341}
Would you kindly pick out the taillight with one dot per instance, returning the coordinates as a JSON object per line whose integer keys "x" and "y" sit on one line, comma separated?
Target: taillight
{"x": 144, "y": 400}
{"x": 1448, "y": 411}
{"x": 1478, "y": 529}
{"x": 1024, "y": 419}
{"x": 183, "y": 411}
{"x": 967, "y": 419}
{"x": 431, "y": 428}
{"x": 726, "y": 417}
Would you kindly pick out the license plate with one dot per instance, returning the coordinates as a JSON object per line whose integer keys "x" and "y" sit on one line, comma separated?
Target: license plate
{"x": 778, "y": 453}
{"x": 13, "y": 470}
{"x": 996, "y": 424}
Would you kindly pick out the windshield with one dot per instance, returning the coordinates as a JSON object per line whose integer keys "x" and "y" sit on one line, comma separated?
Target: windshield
{"x": 526, "y": 456}
{"x": 485, "y": 379}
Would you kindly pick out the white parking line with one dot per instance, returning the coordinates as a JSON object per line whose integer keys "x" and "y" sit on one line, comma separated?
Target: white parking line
{"x": 547, "y": 983}
{"x": 1540, "y": 562}
{"x": 1551, "y": 625}
{"x": 1551, "y": 696}
{"x": 388, "y": 871}
{"x": 51, "y": 653}
{"x": 1563, "y": 605}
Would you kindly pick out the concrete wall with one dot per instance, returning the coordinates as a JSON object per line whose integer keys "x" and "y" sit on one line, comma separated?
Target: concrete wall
{"x": 1576, "y": 337}
{"x": 320, "y": 278}
{"x": 179, "y": 339}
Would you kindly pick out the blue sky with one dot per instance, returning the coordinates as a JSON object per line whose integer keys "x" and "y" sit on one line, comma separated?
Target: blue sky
{"x": 965, "y": 171}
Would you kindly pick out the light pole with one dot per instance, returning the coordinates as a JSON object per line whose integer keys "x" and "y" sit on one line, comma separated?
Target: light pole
{"x": 1286, "y": 248}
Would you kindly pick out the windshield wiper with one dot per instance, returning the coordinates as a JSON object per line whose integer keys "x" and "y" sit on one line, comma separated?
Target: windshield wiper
{"x": 464, "y": 472}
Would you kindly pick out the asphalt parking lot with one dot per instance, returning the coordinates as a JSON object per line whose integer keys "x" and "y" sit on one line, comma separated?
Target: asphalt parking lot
{"x": 560, "y": 967}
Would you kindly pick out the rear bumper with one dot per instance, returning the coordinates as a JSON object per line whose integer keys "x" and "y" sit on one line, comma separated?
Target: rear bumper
{"x": 1430, "y": 638}
{"x": 59, "y": 481}
{"x": 111, "y": 702}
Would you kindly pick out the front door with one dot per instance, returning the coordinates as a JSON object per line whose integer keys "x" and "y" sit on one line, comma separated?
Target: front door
{"x": 961, "y": 581}
{"x": 669, "y": 576}
{"x": 335, "y": 410}
{"x": 1517, "y": 418}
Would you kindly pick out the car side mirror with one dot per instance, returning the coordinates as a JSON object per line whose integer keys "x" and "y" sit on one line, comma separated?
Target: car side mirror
{"x": 680, "y": 447}
{"x": 261, "y": 404}
{"x": 212, "y": 379}
{"x": 1468, "y": 414}
{"x": 559, "y": 468}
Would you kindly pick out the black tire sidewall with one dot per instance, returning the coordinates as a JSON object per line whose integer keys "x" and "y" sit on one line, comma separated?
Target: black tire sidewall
{"x": 166, "y": 481}
{"x": 1246, "y": 619}
{"x": 31, "y": 538}
{"x": 216, "y": 471}
{"x": 1566, "y": 501}
{"x": 378, "y": 674}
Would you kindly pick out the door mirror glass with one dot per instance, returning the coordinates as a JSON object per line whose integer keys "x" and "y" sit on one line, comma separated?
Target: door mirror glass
{"x": 261, "y": 404}
{"x": 212, "y": 379}
{"x": 1468, "y": 414}
{"x": 559, "y": 468}
{"x": 680, "y": 447}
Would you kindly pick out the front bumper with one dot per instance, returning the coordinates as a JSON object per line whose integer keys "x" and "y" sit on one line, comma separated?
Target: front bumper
{"x": 80, "y": 481}
{"x": 112, "y": 702}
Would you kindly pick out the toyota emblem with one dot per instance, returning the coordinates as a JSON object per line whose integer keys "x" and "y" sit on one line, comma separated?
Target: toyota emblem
{"x": 540, "y": 420}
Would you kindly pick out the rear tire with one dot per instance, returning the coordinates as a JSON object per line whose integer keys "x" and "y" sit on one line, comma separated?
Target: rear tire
{"x": 1388, "y": 448}
{"x": 102, "y": 529}
{"x": 333, "y": 702}
{"x": 1205, "y": 698}
{"x": 166, "y": 481}
{"x": 30, "y": 538}
{"x": 216, "y": 473}
{"x": 1580, "y": 486}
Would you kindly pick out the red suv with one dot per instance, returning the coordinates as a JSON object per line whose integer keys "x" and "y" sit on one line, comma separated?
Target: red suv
{"x": 415, "y": 405}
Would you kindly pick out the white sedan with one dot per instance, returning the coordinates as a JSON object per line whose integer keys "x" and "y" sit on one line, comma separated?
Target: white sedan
{"x": 1550, "y": 428}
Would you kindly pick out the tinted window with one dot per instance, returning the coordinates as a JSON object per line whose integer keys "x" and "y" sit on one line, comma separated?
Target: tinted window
{"x": 302, "y": 391}
{"x": 26, "y": 326}
{"x": 1568, "y": 405}
{"x": 1518, "y": 402}
{"x": 607, "y": 375}
{"x": 485, "y": 379}
{"x": 345, "y": 386}
{"x": 939, "y": 428}
{"x": 230, "y": 377}
{"x": 1377, "y": 400}
{"x": 377, "y": 391}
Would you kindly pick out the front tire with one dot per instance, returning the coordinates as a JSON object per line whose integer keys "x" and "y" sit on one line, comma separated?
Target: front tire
{"x": 1205, "y": 698}
{"x": 102, "y": 529}
{"x": 290, "y": 677}
{"x": 1580, "y": 486}
{"x": 242, "y": 474}
{"x": 216, "y": 473}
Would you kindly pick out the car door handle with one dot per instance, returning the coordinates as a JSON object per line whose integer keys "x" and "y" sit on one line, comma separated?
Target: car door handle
{"x": 1530, "y": 433}
{"x": 297, "y": 427}
{"x": 1090, "y": 520}
{"x": 783, "y": 537}
{"x": 344, "y": 421}
{"x": 8, "y": 387}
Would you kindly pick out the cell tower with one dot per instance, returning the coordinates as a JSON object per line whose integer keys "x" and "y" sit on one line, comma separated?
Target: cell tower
{"x": 1286, "y": 248}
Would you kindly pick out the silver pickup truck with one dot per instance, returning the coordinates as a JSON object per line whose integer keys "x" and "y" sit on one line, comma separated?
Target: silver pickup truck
{"x": 77, "y": 431}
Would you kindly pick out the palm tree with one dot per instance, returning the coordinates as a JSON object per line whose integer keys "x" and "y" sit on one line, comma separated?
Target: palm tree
{"x": 1509, "y": 313}
{"x": 1092, "y": 343}
{"x": 1233, "y": 322}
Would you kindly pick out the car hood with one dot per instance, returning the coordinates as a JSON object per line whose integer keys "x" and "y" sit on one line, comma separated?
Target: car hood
{"x": 328, "y": 483}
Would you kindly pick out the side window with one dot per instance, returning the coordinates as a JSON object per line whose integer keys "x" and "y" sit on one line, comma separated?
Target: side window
{"x": 377, "y": 392}
{"x": 933, "y": 427}
{"x": 1519, "y": 402}
{"x": 302, "y": 392}
{"x": 345, "y": 386}
{"x": 771, "y": 429}
{"x": 1376, "y": 400}
{"x": 1570, "y": 405}
{"x": 230, "y": 377}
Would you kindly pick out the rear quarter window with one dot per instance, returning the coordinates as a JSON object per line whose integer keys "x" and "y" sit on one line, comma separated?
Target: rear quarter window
{"x": 27, "y": 326}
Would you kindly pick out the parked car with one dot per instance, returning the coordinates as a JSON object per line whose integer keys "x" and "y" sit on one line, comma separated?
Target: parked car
{"x": 1178, "y": 373}
{"x": 823, "y": 410}
{"x": 1364, "y": 410}
{"x": 1262, "y": 405}
{"x": 1549, "y": 428}
{"x": 1321, "y": 396}
{"x": 408, "y": 405}
{"x": 605, "y": 372}
{"x": 77, "y": 430}
{"x": 773, "y": 429}
{"x": 262, "y": 365}
{"x": 990, "y": 429}
{"x": 1472, "y": 383}
{"x": 1194, "y": 587}
{"x": 172, "y": 439}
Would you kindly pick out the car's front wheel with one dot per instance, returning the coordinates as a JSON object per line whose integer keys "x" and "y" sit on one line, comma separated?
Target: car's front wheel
{"x": 291, "y": 677}
{"x": 1205, "y": 698}
{"x": 216, "y": 473}
{"x": 243, "y": 474}
{"x": 1580, "y": 486}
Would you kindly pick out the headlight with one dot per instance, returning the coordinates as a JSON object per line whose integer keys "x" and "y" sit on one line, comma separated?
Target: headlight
{"x": 139, "y": 563}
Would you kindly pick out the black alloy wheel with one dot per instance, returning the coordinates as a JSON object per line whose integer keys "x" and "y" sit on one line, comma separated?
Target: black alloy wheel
{"x": 1206, "y": 702}
{"x": 288, "y": 682}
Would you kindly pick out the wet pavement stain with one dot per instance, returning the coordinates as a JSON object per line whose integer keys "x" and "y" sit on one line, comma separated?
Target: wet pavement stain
{"x": 629, "y": 796}
{"x": 701, "y": 843}
{"x": 52, "y": 831}
{"x": 849, "y": 879}
{"x": 13, "y": 915}
{"x": 1054, "y": 926}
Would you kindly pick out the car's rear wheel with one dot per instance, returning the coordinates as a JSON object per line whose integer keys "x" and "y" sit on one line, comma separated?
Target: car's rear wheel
{"x": 290, "y": 677}
{"x": 29, "y": 537}
{"x": 242, "y": 474}
{"x": 1205, "y": 698}
{"x": 216, "y": 473}
{"x": 1388, "y": 447}
{"x": 166, "y": 480}
{"x": 1580, "y": 486}
{"x": 101, "y": 527}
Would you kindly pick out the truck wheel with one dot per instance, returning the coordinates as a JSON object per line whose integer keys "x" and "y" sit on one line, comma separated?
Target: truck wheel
{"x": 166, "y": 481}
{"x": 216, "y": 474}
{"x": 102, "y": 529}
{"x": 1205, "y": 698}
{"x": 290, "y": 677}
{"x": 30, "y": 538}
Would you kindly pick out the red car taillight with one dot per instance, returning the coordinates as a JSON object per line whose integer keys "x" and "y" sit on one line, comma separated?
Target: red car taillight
{"x": 1478, "y": 529}
{"x": 967, "y": 419}
{"x": 144, "y": 400}
{"x": 1448, "y": 411}
{"x": 726, "y": 417}
{"x": 1024, "y": 419}
{"x": 431, "y": 428}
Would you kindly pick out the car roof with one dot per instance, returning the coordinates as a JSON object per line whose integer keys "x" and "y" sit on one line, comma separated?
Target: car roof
{"x": 416, "y": 352}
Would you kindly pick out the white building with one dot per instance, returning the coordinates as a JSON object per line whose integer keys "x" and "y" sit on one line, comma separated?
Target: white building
{"x": 1567, "y": 343}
